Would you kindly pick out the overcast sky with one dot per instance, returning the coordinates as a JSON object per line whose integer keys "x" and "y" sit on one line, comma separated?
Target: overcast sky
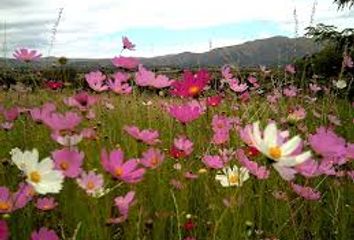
{"x": 93, "y": 28}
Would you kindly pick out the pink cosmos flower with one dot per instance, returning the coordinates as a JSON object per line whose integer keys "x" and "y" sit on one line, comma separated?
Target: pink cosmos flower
{"x": 306, "y": 192}
{"x": 213, "y": 161}
{"x": 237, "y": 86}
{"x": 125, "y": 62}
{"x": 297, "y": 114}
{"x": 183, "y": 144}
{"x": 308, "y": 169}
{"x": 348, "y": 61}
{"x": 314, "y": 87}
{"x": 38, "y": 114}
{"x": 26, "y": 55}
{"x": 260, "y": 172}
{"x": 289, "y": 68}
{"x": 213, "y": 101}
{"x": 6, "y": 200}
{"x": 221, "y": 123}
{"x": 253, "y": 80}
{"x": 7, "y": 125}
{"x": 11, "y": 114}
{"x": 152, "y": 158}
{"x": 60, "y": 122}
{"x": 96, "y": 81}
{"x": 23, "y": 195}
{"x": 148, "y": 136}
{"x": 220, "y": 137}
{"x": 68, "y": 161}
{"x": 4, "y": 230}
{"x": 185, "y": 113}
{"x": 326, "y": 143}
{"x": 290, "y": 91}
{"x": 127, "y": 44}
{"x": 145, "y": 78}
{"x": 44, "y": 233}
{"x": 190, "y": 175}
{"x": 54, "y": 85}
{"x": 67, "y": 140}
{"x": 127, "y": 171}
{"x": 91, "y": 182}
{"x": 120, "y": 85}
{"x": 191, "y": 85}
{"x": 46, "y": 203}
{"x": 245, "y": 97}
{"x": 82, "y": 100}
{"x": 123, "y": 203}
{"x": 226, "y": 72}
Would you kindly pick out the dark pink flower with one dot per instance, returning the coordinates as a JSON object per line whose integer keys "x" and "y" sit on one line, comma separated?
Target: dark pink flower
{"x": 44, "y": 233}
{"x": 260, "y": 172}
{"x": 127, "y": 171}
{"x": 306, "y": 192}
{"x": 82, "y": 100}
{"x": 11, "y": 114}
{"x": 148, "y": 136}
{"x": 26, "y": 55}
{"x": 191, "y": 85}
{"x": 152, "y": 158}
{"x": 68, "y": 161}
{"x": 4, "y": 230}
{"x": 125, "y": 62}
{"x": 54, "y": 85}
{"x": 96, "y": 81}
{"x": 6, "y": 200}
{"x": 308, "y": 169}
{"x": 23, "y": 195}
{"x": 123, "y": 203}
{"x": 127, "y": 44}
{"x": 213, "y": 161}
{"x": 184, "y": 145}
{"x": 46, "y": 203}
{"x": 214, "y": 101}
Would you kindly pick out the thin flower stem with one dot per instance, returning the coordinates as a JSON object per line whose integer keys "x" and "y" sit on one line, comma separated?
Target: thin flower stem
{"x": 177, "y": 215}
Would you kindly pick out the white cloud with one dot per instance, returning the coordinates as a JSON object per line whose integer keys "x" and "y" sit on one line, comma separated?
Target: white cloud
{"x": 85, "y": 21}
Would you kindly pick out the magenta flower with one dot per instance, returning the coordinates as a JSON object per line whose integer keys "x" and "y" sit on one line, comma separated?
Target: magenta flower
{"x": 191, "y": 85}
{"x": 152, "y": 158}
{"x": 44, "y": 233}
{"x": 185, "y": 113}
{"x": 220, "y": 137}
{"x": 91, "y": 182}
{"x": 46, "y": 203}
{"x": 260, "y": 172}
{"x": 11, "y": 114}
{"x": 253, "y": 80}
{"x": 68, "y": 161}
{"x": 213, "y": 161}
{"x": 214, "y": 101}
{"x": 60, "y": 122}
{"x": 127, "y": 171}
{"x": 326, "y": 143}
{"x": 147, "y": 136}
{"x": 221, "y": 123}
{"x": 146, "y": 78}
{"x": 4, "y": 230}
{"x": 23, "y": 195}
{"x": 125, "y": 62}
{"x": 289, "y": 68}
{"x": 26, "y": 55}
{"x": 123, "y": 203}
{"x": 308, "y": 169}
{"x": 306, "y": 192}
{"x": 96, "y": 81}
{"x": 82, "y": 100}
{"x": 38, "y": 114}
{"x": 120, "y": 84}
{"x": 237, "y": 86}
{"x": 127, "y": 44}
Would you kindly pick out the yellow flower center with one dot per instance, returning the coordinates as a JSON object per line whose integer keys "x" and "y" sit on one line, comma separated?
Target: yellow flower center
{"x": 90, "y": 185}
{"x": 64, "y": 165}
{"x": 275, "y": 152}
{"x": 233, "y": 179}
{"x": 35, "y": 177}
{"x": 193, "y": 90}
{"x": 118, "y": 171}
{"x": 4, "y": 206}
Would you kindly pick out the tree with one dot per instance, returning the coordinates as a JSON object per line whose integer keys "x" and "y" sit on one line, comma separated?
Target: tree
{"x": 344, "y": 3}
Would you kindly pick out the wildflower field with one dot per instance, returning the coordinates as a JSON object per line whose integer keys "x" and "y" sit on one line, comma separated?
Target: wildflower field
{"x": 141, "y": 155}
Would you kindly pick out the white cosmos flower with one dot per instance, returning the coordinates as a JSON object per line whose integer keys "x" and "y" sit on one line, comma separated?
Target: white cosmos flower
{"x": 340, "y": 84}
{"x": 232, "y": 176}
{"x": 277, "y": 149}
{"x": 20, "y": 158}
{"x": 40, "y": 175}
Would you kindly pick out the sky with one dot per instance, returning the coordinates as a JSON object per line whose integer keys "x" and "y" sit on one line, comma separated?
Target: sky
{"x": 94, "y": 28}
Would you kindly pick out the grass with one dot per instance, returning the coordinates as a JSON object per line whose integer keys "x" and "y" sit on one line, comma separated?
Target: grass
{"x": 160, "y": 210}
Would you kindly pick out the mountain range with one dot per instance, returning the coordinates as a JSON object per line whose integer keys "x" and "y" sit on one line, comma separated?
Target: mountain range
{"x": 271, "y": 51}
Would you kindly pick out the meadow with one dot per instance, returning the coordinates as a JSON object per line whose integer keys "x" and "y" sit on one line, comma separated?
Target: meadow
{"x": 181, "y": 141}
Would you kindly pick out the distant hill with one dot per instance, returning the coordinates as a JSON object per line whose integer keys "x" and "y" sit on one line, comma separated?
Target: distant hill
{"x": 270, "y": 51}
